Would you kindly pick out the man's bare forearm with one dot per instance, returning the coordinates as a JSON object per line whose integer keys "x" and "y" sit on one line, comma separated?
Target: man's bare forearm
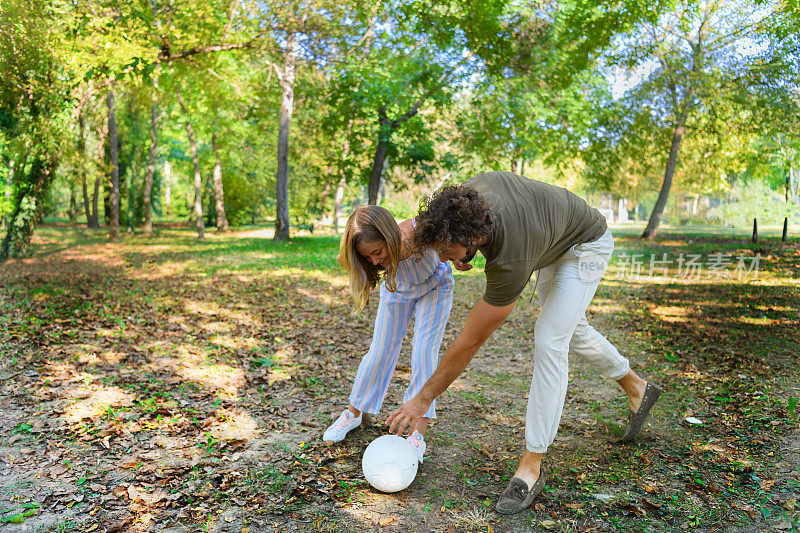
{"x": 453, "y": 362}
{"x": 480, "y": 324}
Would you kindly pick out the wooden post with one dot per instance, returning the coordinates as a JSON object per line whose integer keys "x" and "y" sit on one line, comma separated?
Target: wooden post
{"x": 785, "y": 229}
{"x": 755, "y": 230}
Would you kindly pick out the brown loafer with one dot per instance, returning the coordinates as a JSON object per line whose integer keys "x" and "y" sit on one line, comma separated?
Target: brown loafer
{"x": 636, "y": 420}
{"x": 517, "y": 497}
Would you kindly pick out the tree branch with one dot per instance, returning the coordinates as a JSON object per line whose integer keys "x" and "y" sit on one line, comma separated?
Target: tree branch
{"x": 208, "y": 49}
{"x": 234, "y": 9}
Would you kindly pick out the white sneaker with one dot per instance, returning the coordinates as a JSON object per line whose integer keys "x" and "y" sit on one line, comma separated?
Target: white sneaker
{"x": 417, "y": 442}
{"x": 339, "y": 429}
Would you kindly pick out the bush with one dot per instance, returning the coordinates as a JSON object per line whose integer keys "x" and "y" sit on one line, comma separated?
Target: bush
{"x": 755, "y": 199}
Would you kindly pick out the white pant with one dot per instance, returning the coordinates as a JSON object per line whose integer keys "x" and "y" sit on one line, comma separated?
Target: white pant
{"x": 565, "y": 290}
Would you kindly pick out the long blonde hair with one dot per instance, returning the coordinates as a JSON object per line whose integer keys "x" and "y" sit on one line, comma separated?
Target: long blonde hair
{"x": 369, "y": 223}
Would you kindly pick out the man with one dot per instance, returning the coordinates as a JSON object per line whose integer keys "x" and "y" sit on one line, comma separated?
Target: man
{"x": 522, "y": 226}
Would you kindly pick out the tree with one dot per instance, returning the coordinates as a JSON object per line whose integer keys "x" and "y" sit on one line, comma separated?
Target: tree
{"x": 198, "y": 182}
{"x": 689, "y": 59}
{"x": 114, "y": 157}
{"x": 151, "y": 161}
{"x": 286, "y": 78}
{"x": 34, "y": 110}
{"x": 310, "y": 34}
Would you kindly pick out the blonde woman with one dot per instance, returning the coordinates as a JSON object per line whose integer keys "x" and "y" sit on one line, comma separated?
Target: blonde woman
{"x": 373, "y": 247}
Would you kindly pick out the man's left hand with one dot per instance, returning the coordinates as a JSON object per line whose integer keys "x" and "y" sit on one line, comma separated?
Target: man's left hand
{"x": 409, "y": 414}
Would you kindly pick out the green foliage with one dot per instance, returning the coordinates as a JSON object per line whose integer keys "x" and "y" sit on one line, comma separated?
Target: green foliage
{"x": 755, "y": 199}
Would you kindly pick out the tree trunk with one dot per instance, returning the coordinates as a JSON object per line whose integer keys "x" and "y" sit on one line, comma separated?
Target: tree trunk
{"x": 73, "y": 204}
{"x": 788, "y": 186}
{"x": 9, "y": 186}
{"x": 794, "y": 186}
{"x": 219, "y": 193}
{"x": 377, "y": 164}
{"x": 94, "y": 222}
{"x": 82, "y": 155}
{"x": 151, "y": 163}
{"x": 652, "y": 225}
{"x": 114, "y": 155}
{"x": 337, "y": 201}
{"x": 785, "y": 233}
{"x": 282, "y": 175}
{"x": 27, "y": 209}
{"x": 198, "y": 180}
{"x": 382, "y": 185}
{"x": 755, "y": 230}
{"x": 167, "y": 188}
{"x": 386, "y": 128}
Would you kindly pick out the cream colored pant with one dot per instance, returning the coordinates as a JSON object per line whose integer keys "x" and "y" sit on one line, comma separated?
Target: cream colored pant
{"x": 565, "y": 290}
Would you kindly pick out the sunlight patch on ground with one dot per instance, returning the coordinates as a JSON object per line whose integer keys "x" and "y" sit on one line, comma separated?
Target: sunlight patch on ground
{"x": 284, "y": 354}
{"x": 158, "y": 249}
{"x": 107, "y": 254}
{"x": 282, "y": 369}
{"x": 205, "y": 307}
{"x": 671, "y": 314}
{"x": 693, "y": 375}
{"x": 233, "y": 316}
{"x": 250, "y": 259}
{"x": 189, "y": 362}
{"x": 262, "y": 233}
{"x": 233, "y": 425}
{"x": 335, "y": 280}
{"x": 87, "y": 354}
{"x": 323, "y": 298}
{"x": 97, "y": 404}
{"x": 605, "y": 308}
{"x": 212, "y": 309}
{"x": 161, "y": 270}
{"x": 235, "y": 343}
{"x": 760, "y": 321}
{"x": 226, "y": 379}
{"x": 57, "y": 370}
{"x": 218, "y": 327}
{"x": 776, "y": 281}
{"x": 178, "y": 319}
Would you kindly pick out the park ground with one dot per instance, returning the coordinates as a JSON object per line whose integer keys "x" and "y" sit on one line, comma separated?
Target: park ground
{"x": 176, "y": 385}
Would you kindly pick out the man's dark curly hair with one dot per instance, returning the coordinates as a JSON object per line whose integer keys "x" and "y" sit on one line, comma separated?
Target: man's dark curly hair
{"x": 452, "y": 215}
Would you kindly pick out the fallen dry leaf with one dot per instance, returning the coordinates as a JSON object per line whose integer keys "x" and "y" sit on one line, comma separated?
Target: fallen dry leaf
{"x": 549, "y": 525}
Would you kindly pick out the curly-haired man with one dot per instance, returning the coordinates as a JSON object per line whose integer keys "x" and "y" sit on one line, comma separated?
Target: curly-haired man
{"x": 522, "y": 226}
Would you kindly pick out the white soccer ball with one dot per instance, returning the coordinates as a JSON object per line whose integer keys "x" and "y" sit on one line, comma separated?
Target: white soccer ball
{"x": 389, "y": 463}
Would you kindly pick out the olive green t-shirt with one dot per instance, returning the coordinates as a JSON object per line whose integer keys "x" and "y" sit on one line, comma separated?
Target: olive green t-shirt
{"x": 534, "y": 224}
